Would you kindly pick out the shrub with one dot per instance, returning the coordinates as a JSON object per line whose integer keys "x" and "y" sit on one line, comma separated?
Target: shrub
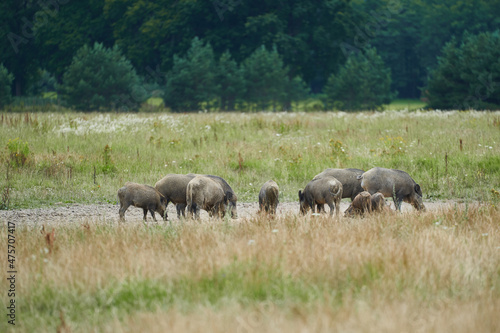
{"x": 18, "y": 152}
{"x": 102, "y": 78}
{"x": 5, "y": 86}
{"x": 363, "y": 83}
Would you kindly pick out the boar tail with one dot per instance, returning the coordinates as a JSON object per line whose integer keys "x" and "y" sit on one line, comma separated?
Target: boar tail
{"x": 338, "y": 191}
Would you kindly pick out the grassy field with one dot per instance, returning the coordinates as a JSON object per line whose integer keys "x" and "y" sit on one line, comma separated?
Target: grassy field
{"x": 84, "y": 158}
{"x": 435, "y": 271}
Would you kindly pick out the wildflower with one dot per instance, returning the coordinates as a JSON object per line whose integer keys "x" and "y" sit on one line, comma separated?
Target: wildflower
{"x": 251, "y": 242}
{"x": 275, "y": 230}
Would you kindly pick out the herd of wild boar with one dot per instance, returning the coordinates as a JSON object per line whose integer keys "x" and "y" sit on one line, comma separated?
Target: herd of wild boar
{"x": 367, "y": 191}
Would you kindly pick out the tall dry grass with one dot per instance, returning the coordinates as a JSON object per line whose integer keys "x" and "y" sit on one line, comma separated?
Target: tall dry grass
{"x": 437, "y": 271}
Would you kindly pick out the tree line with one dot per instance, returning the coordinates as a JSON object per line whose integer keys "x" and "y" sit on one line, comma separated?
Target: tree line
{"x": 357, "y": 54}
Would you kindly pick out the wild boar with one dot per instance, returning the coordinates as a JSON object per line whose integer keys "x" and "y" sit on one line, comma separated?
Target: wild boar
{"x": 226, "y": 188}
{"x": 326, "y": 190}
{"x": 205, "y": 193}
{"x": 141, "y": 196}
{"x": 351, "y": 186}
{"x": 173, "y": 187}
{"x": 393, "y": 183}
{"x": 378, "y": 202}
{"x": 269, "y": 197}
{"x": 361, "y": 205}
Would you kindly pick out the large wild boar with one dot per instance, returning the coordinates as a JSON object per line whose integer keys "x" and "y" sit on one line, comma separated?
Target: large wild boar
{"x": 173, "y": 187}
{"x": 205, "y": 193}
{"x": 393, "y": 183}
{"x": 361, "y": 205}
{"x": 226, "y": 188}
{"x": 142, "y": 196}
{"x": 351, "y": 186}
{"x": 326, "y": 190}
{"x": 269, "y": 197}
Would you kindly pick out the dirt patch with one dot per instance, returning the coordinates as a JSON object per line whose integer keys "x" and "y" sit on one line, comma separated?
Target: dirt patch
{"x": 108, "y": 213}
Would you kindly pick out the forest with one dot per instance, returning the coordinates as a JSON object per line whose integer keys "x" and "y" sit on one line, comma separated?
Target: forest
{"x": 240, "y": 55}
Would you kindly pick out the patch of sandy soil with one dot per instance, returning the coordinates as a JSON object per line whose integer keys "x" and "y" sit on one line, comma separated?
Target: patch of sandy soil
{"x": 108, "y": 213}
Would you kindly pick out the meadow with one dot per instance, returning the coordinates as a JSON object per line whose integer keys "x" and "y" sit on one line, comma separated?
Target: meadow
{"x": 84, "y": 158}
{"x": 433, "y": 271}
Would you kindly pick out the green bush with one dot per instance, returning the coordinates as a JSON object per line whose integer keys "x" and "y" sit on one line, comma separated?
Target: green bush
{"x": 5, "y": 83}
{"x": 467, "y": 75}
{"x": 18, "y": 152}
{"x": 101, "y": 78}
{"x": 363, "y": 83}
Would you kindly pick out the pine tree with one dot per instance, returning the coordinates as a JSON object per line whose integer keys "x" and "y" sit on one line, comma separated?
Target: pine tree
{"x": 266, "y": 78}
{"x": 231, "y": 82}
{"x": 363, "y": 83}
{"x": 102, "y": 78}
{"x": 191, "y": 81}
{"x": 467, "y": 76}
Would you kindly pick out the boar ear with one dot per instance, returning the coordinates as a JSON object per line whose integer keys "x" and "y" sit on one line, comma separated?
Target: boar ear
{"x": 418, "y": 189}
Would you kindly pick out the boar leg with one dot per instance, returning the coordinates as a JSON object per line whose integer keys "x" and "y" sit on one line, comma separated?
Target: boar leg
{"x": 397, "y": 202}
{"x": 145, "y": 211}
{"x": 122, "y": 210}
{"x": 337, "y": 206}
{"x": 332, "y": 207}
{"x": 181, "y": 210}
{"x": 152, "y": 212}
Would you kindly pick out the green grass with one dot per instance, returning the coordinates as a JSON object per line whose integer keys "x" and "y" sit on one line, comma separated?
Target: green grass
{"x": 65, "y": 156}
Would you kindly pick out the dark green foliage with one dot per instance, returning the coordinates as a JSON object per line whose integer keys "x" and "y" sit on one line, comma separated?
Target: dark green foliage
{"x": 192, "y": 79}
{"x": 467, "y": 74}
{"x": 72, "y": 24}
{"x": 409, "y": 35}
{"x": 17, "y": 50}
{"x": 102, "y": 78}
{"x": 231, "y": 82}
{"x": 5, "y": 83}
{"x": 306, "y": 33}
{"x": 363, "y": 83}
{"x": 266, "y": 78}
{"x": 313, "y": 38}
